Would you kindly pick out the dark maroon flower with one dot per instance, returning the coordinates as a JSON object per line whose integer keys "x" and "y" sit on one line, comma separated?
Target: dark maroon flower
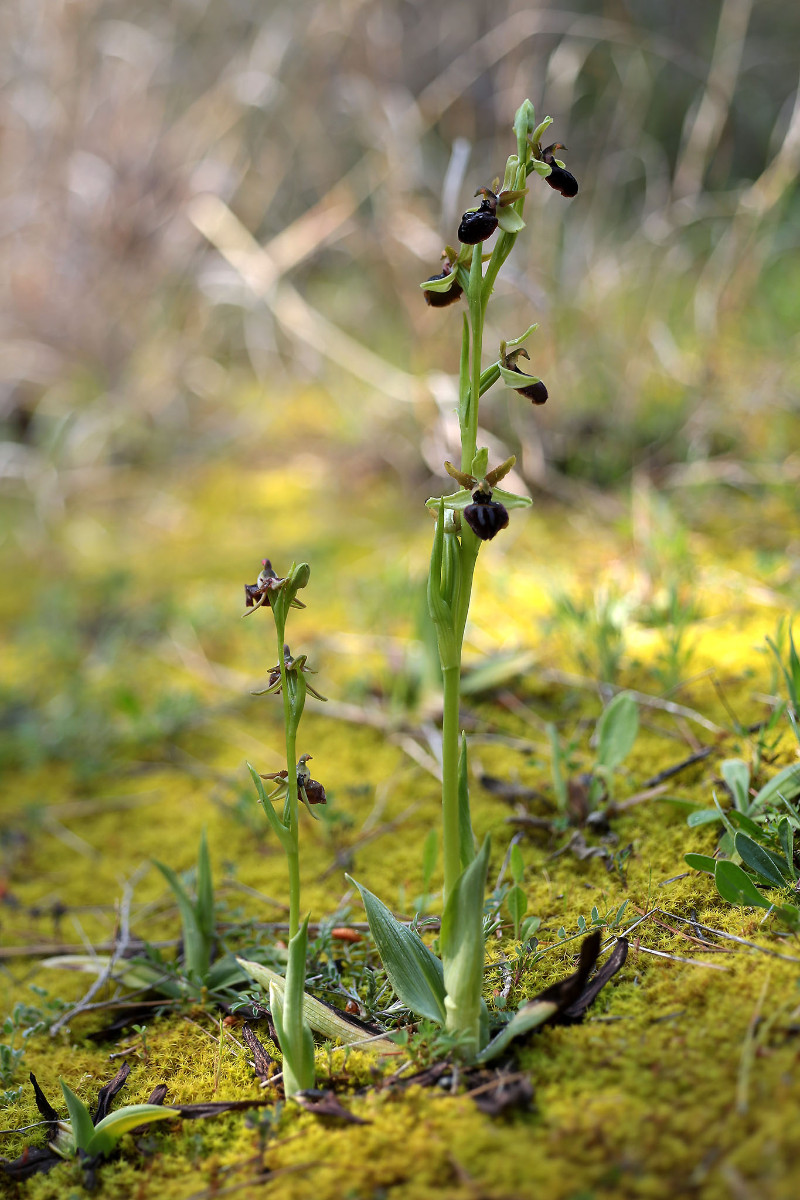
{"x": 560, "y": 179}
{"x": 485, "y": 516}
{"x": 477, "y": 226}
{"x": 443, "y": 299}
{"x": 534, "y": 390}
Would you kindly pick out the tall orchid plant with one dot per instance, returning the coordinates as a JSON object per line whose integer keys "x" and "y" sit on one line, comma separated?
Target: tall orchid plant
{"x": 448, "y": 989}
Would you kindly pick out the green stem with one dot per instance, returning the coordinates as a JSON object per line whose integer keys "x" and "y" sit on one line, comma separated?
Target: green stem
{"x": 293, "y": 850}
{"x": 450, "y": 811}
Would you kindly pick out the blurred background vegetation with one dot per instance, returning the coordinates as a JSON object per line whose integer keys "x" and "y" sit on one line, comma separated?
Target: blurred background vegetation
{"x": 215, "y": 220}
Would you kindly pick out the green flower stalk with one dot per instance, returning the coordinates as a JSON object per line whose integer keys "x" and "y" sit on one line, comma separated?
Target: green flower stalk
{"x": 465, "y": 519}
{"x": 294, "y": 785}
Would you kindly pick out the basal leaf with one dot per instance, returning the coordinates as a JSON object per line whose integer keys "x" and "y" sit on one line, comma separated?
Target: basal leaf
{"x": 759, "y": 860}
{"x": 462, "y": 943}
{"x": 525, "y": 1019}
{"x": 80, "y": 1118}
{"x": 108, "y": 1131}
{"x": 415, "y": 973}
{"x": 736, "y": 886}
{"x": 701, "y": 862}
{"x": 786, "y": 784}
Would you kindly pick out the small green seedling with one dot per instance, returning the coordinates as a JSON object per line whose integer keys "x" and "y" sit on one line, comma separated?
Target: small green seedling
{"x": 97, "y": 1141}
{"x": 197, "y": 916}
{"x": 516, "y": 899}
{"x": 614, "y": 738}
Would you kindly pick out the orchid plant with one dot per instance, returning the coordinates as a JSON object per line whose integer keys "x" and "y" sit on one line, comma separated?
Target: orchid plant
{"x": 448, "y": 990}
{"x": 294, "y": 786}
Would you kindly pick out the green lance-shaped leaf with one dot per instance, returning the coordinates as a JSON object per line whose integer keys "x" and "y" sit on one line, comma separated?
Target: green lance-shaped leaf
{"x": 466, "y": 838}
{"x": 80, "y": 1119}
{"x": 741, "y": 821}
{"x": 758, "y": 859}
{"x": 415, "y": 973}
{"x": 525, "y": 1019}
{"x": 284, "y": 835}
{"x": 736, "y": 886}
{"x": 324, "y": 1020}
{"x": 617, "y": 730}
{"x": 736, "y": 774}
{"x": 196, "y": 947}
{"x": 205, "y": 892}
{"x": 109, "y": 1131}
{"x": 294, "y": 1036}
{"x": 786, "y": 837}
{"x": 703, "y": 816}
{"x": 785, "y": 784}
{"x": 462, "y": 945}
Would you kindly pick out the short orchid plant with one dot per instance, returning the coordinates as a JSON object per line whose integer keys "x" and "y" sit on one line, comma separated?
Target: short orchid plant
{"x": 294, "y": 786}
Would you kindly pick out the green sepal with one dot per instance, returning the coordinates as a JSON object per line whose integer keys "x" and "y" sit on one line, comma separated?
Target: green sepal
{"x": 284, "y": 836}
{"x": 480, "y": 463}
{"x": 462, "y": 943}
{"x": 459, "y": 500}
{"x": 516, "y": 379}
{"x": 109, "y": 1131}
{"x": 439, "y": 285}
{"x": 80, "y": 1119}
{"x": 536, "y": 136}
{"x": 466, "y": 838}
{"x": 509, "y": 219}
{"x": 415, "y": 973}
{"x": 518, "y": 341}
{"x": 736, "y": 886}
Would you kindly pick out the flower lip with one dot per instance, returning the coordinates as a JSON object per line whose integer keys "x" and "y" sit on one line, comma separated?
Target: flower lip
{"x": 560, "y": 179}
{"x": 479, "y": 224}
{"x": 485, "y": 516}
{"x": 535, "y": 389}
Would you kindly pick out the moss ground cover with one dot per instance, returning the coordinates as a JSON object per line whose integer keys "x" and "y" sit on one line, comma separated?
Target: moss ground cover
{"x": 130, "y": 719}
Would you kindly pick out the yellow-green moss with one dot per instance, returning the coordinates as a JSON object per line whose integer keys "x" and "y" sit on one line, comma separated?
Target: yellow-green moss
{"x": 643, "y": 1099}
